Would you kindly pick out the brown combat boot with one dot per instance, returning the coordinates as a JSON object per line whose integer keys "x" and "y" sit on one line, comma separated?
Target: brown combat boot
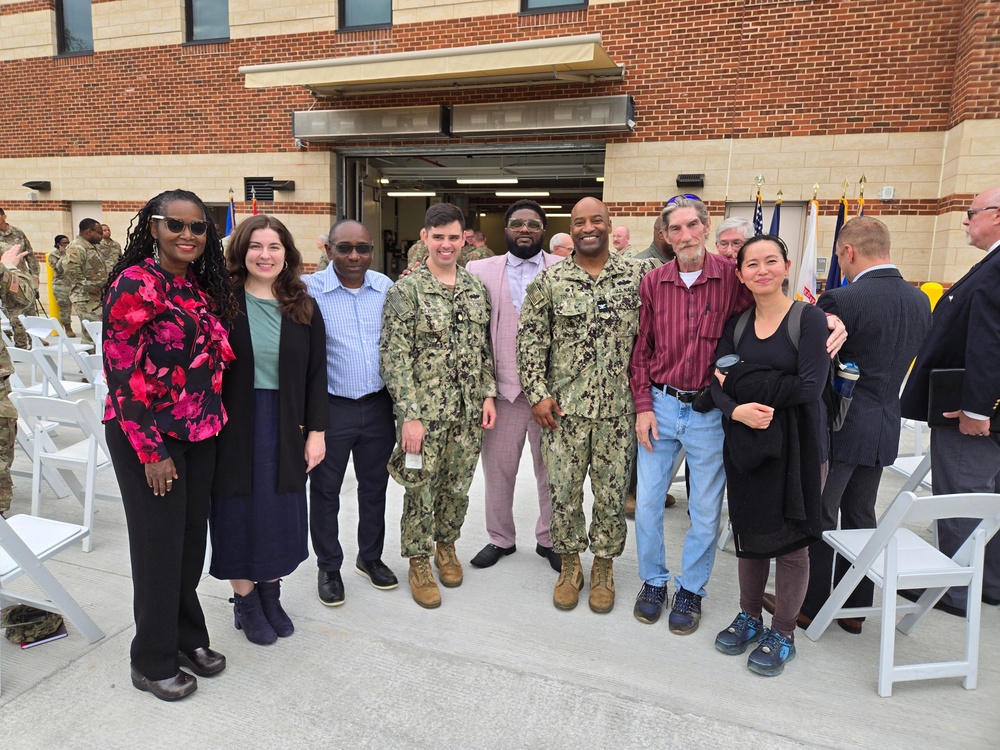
{"x": 630, "y": 505}
{"x": 567, "y": 591}
{"x": 422, "y": 584}
{"x": 449, "y": 568}
{"x": 602, "y": 585}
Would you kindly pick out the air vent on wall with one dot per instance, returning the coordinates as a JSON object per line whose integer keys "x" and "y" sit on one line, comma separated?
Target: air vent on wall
{"x": 367, "y": 124}
{"x": 259, "y": 186}
{"x": 597, "y": 114}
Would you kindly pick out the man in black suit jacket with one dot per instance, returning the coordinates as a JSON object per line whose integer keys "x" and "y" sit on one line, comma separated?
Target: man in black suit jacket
{"x": 886, "y": 320}
{"x": 966, "y": 333}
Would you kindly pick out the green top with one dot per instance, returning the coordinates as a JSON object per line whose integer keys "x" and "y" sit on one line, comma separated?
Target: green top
{"x": 265, "y": 335}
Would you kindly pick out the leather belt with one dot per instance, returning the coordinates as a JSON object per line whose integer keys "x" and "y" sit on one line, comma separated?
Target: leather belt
{"x": 685, "y": 397}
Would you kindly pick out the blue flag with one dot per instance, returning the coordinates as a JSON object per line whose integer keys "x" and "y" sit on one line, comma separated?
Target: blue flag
{"x": 776, "y": 220}
{"x": 758, "y": 215}
{"x": 833, "y": 276}
{"x": 230, "y": 215}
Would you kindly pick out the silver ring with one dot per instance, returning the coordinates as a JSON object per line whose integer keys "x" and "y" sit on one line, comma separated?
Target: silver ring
{"x": 170, "y": 481}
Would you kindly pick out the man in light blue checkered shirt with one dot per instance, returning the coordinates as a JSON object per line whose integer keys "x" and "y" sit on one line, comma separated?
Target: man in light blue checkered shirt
{"x": 350, "y": 297}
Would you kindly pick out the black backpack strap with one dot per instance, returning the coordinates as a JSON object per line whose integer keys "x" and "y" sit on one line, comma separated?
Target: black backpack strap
{"x": 795, "y": 323}
{"x": 741, "y": 327}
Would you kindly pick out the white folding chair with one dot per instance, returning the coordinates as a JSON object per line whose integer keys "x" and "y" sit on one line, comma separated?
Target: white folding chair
{"x": 26, "y": 542}
{"x": 96, "y": 362}
{"x": 49, "y": 339}
{"x": 896, "y": 559}
{"x": 26, "y": 439}
{"x": 96, "y": 330}
{"x": 89, "y": 455}
{"x": 50, "y": 383}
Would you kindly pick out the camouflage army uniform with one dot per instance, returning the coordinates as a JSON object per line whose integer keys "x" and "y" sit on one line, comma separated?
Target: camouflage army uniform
{"x": 322, "y": 263}
{"x": 29, "y": 265}
{"x": 111, "y": 250}
{"x": 16, "y": 289}
{"x": 416, "y": 254}
{"x": 61, "y": 288}
{"x": 86, "y": 269}
{"x": 574, "y": 341}
{"x": 470, "y": 252}
{"x": 436, "y": 361}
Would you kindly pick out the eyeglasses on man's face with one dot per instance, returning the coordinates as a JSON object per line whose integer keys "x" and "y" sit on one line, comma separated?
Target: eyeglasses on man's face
{"x": 973, "y": 211}
{"x": 198, "y": 228}
{"x": 518, "y": 224}
{"x": 346, "y": 248}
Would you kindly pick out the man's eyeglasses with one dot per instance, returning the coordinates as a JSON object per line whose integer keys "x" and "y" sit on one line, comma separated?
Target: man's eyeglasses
{"x": 517, "y": 224}
{"x": 734, "y": 244}
{"x": 689, "y": 196}
{"x": 973, "y": 211}
{"x": 198, "y": 228}
{"x": 346, "y": 248}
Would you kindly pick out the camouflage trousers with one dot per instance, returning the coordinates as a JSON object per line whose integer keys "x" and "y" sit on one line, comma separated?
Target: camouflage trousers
{"x": 19, "y": 335}
{"x": 61, "y": 293}
{"x": 88, "y": 312}
{"x": 437, "y": 496}
{"x": 605, "y": 447}
{"x": 8, "y": 437}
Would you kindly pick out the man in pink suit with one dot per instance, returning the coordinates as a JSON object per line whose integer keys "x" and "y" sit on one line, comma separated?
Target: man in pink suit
{"x": 506, "y": 277}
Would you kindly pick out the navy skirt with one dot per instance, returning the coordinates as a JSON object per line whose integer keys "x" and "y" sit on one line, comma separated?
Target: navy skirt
{"x": 264, "y": 535}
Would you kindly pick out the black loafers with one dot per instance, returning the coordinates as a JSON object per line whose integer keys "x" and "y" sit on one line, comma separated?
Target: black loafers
{"x": 377, "y": 573}
{"x": 173, "y": 688}
{"x": 331, "y": 588}
{"x": 490, "y": 555}
{"x": 554, "y": 558}
{"x": 204, "y": 662}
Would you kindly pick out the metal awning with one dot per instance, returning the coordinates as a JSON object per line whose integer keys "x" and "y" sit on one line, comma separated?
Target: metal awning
{"x": 571, "y": 59}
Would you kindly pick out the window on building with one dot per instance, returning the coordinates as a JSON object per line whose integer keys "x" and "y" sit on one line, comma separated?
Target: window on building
{"x": 550, "y": 6}
{"x": 207, "y": 20}
{"x": 75, "y": 30}
{"x": 365, "y": 14}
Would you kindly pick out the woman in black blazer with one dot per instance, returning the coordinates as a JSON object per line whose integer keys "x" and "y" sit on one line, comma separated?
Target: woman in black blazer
{"x": 275, "y": 393}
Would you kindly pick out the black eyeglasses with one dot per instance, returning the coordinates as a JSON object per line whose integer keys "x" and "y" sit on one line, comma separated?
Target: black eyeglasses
{"x": 533, "y": 224}
{"x": 689, "y": 196}
{"x": 346, "y": 248}
{"x": 973, "y": 211}
{"x": 198, "y": 228}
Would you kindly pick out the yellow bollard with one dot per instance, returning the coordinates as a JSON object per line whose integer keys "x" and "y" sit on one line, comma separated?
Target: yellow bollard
{"x": 933, "y": 290}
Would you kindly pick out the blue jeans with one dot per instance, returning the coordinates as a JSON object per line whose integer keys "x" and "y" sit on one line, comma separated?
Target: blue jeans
{"x": 702, "y": 437}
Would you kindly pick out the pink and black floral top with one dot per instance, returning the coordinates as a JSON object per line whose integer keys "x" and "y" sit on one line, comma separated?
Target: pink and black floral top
{"x": 164, "y": 353}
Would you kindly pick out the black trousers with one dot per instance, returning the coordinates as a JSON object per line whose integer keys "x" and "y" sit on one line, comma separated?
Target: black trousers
{"x": 166, "y": 538}
{"x": 850, "y": 493}
{"x": 366, "y": 428}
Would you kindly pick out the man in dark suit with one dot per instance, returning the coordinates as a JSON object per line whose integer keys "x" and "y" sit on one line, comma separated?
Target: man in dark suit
{"x": 966, "y": 333}
{"x": 886, "y": 320}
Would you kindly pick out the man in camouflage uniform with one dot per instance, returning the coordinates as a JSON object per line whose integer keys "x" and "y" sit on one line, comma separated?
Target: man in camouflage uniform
{"x": 575, "y": 335}
{"x": 16, "y": 290}
{"x": 10, "y": 236}
{"x": 436, "y": 361}
{"x": 86, "y": 269}
{"x": 111, "y": 250}
{"x": 60, "y": 288}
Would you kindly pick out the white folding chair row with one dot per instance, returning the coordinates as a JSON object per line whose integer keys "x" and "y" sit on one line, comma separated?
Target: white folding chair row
{"x": 897, "y": 559}
{"x": 96, "y": 330}
{"x": 49, "y": 339}
{"x": 50, "y": 383}
{"x": 26, "y": 439}
{"x": 917, "y": 429}
{"x": 26, "y": 542}
{"x": 96, "y": 362}
{"x": 88, "y": 456}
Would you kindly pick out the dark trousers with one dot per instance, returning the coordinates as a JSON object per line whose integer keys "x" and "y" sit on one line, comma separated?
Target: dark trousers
{"x": 966, "y": 463}
{"x": 166, "y": 538}
{"x": 850, "y": 492}
{"x": 366, "y": 428}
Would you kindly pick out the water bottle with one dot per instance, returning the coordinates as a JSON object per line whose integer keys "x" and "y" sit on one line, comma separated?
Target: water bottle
{"x": 845, "y": 378}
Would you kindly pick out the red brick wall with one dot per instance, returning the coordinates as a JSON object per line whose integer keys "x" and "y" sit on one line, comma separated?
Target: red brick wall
{"x": 729, "y": 68}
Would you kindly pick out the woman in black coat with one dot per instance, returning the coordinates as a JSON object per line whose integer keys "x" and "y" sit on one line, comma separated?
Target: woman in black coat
{"x": 275, "y": 393}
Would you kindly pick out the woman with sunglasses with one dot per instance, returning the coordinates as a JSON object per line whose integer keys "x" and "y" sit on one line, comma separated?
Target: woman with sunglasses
{"x": 60, "y": 289}
{"x": 165, "y": 348}
{"x": 775, "y": 450}
{"x": 276, "y": 398}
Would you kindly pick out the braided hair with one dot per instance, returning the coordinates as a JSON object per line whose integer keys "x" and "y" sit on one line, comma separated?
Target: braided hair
{"x": 210, "y": 269}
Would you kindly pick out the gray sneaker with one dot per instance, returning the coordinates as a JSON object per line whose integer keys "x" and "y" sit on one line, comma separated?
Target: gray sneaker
{"x": 685, "y": 612}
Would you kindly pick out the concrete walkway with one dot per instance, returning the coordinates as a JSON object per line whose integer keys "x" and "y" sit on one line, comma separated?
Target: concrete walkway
{"x": 497, "y": 666}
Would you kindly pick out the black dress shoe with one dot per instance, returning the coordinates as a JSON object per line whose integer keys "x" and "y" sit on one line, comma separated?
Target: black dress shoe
{"x": 204, "y": 662}
{"x": 331, "y": 588}
{"x": 490, "y": 555}
{"x": 173, "y": 688}
{"x": 377, "y": 573}
{"x": 851, "y": 624}
{"x": 990, "y": 600}
{"x": 554, "y": 558}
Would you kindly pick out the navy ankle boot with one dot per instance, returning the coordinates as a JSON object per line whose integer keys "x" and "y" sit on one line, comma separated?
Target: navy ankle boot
{"x": 249, "y": 617}
{"x": 270, "y": 602}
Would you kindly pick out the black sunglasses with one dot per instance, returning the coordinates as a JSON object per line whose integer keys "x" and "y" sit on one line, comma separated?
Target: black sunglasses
{"x": 198, "y": 228}
{"x": 346, "y": 248}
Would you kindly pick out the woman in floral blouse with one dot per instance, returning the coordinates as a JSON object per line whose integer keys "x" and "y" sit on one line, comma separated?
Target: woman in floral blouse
{"x": 165, "y": 348}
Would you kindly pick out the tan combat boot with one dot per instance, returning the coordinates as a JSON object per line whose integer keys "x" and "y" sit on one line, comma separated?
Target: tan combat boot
{"x": 602, "y": 585}
{"x": 422, "y": 584}
{"x": 630, "y": 505}
{"x": 450, "y": 569}
{"x": 567, "y": 591}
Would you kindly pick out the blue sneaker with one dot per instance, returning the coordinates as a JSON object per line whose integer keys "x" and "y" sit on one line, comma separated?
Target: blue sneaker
{"x": 685, "y": 612}
{"x": 770, "y": 656}
{"x": 744, "y": 631}
{"x": 649, "y": 603}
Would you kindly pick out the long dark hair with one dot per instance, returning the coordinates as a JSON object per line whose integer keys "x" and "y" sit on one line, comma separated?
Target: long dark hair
{"x": 210, "y": 270}
{"x": 288, "y": 287}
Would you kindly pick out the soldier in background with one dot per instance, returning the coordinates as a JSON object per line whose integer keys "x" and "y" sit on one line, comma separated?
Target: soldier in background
{"x": 436, "y": 362}
{"x": 60, "y": 287}
{"x": 86, "y": 270}
{"x": 16, "y": 290}
{"x": 112, "y": 250}
{"x": 575, "y": 335}
{"x": 659, "y": 250}
{"x": 324, "y": 260}
{"x": 10, "y": 236}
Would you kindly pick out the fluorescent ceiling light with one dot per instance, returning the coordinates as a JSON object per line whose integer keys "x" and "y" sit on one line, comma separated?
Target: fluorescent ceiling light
{"x": 564, "y": 216}
{"x": 487, "y": 181}
{"x": 411, "y": 194}
{"x": 522, "y": 194}
{"x": 384, "y": 181}
{"x": 599, "y": 179}
{"x": 481, "y": 215}
{"x": 548, "y": 207}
